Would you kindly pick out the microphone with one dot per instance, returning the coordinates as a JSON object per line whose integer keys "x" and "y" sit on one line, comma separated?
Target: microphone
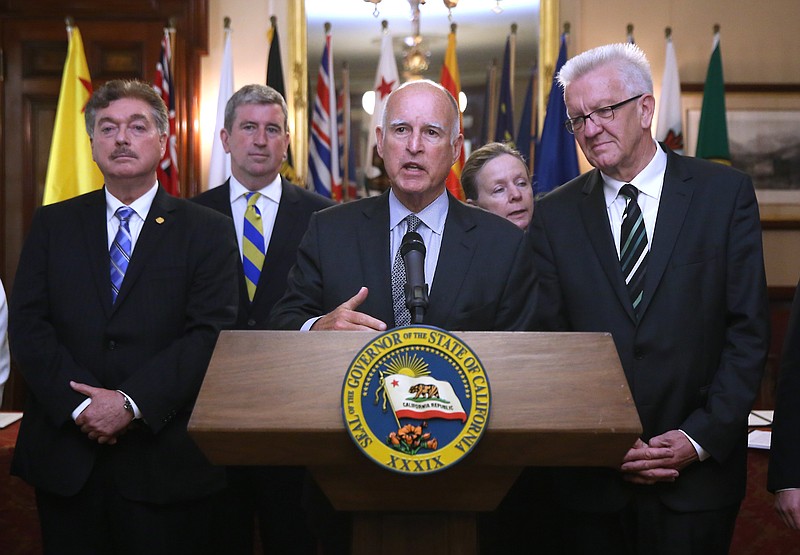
{"x": 412, "y": 249}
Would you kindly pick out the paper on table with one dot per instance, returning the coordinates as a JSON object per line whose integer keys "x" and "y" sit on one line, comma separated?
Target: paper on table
{"x": 760, "y": 418}
{"x": 8, "y": 418}
{"x": 759, "y": 439}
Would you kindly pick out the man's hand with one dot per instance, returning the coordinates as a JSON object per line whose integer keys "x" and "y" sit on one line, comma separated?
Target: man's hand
{"x": 654, "y": 462}
{"x": 345, "y": 316}
{"x": 105, "y": 418}
{"x": 787, "y": 503}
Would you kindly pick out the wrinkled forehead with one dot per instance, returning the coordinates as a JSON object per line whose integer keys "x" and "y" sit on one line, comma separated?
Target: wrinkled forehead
{"x": 420, "y": 105}
{"x": 125, "y": 109}
{"x": 599, "y": 87}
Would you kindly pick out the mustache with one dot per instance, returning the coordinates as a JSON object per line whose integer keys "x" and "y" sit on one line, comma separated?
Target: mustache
{"x": 123, "y": 152}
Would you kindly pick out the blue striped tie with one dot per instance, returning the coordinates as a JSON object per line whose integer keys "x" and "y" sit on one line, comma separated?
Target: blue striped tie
{"x": 252, "y": 244}
{"x": 633, "y": 246}
{"x": 120, "y": 252}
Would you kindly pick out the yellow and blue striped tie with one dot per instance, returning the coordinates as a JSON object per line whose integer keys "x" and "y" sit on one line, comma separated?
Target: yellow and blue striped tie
{"x": 252, "y": 244}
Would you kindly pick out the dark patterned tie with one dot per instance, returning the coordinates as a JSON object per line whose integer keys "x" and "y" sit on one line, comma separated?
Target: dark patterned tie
{"x": 633, "y": 245}
{"x": 120, "y": 252}
{"x": 402, "y": 316}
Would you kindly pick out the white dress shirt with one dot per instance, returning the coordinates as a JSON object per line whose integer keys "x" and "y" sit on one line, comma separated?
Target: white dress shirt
{"x": 650, "y": 182}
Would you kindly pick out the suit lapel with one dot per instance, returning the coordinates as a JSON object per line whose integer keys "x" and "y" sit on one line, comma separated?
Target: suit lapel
{"x": 221, "y": 202}
{"x": 595, "y": 220}
{"x": 373, "y": 246}
{"x": 287, "y": 217}
{"x": 676, "y": 195}
{"x": 455, "y": 257}
{"x": 159, "y": 221}
{"x": 95, "y": 229}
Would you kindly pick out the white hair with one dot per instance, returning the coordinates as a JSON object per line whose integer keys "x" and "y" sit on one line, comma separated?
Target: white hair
{"x": 628, "y": 59}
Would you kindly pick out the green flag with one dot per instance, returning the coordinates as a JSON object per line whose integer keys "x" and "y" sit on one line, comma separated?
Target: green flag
{"x": 712, "y": 135}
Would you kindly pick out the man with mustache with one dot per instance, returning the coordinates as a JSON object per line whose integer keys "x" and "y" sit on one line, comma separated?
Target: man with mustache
{"x": 477, "y": 267}
{"x": 118, "y": 299}
{"x": 256, "y": 134}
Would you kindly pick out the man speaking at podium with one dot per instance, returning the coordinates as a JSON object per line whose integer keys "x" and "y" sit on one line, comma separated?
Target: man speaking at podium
{"x": 479, "y": 272}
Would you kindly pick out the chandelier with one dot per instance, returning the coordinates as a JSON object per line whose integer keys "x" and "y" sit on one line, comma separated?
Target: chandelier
{"x": 416, "y": 55}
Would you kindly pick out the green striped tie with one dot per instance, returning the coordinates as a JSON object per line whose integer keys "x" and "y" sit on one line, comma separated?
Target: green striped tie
{"x": 633, "y": 246}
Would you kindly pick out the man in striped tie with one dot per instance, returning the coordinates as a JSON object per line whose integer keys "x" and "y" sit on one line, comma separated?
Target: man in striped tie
{"x": 270, "y": 216}
{"x": 118, "y": 300}
{"x": 664, "y": 252}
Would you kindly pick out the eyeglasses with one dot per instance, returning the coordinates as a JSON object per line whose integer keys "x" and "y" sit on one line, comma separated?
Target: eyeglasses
{"x": 603, "y": 114}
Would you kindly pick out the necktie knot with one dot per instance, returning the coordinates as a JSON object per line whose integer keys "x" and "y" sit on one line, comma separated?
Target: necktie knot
{"x": 412, "y": 221}
{"x": 124, "y": 214}
{"x": 252, "y": 199}
{"x": 629, "y": 192}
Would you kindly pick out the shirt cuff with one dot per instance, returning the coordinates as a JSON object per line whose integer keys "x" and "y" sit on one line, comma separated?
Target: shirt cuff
{"x": 310, "y": 322}
{"x": 80, "y": 408}
{"x": 702, "y": 454}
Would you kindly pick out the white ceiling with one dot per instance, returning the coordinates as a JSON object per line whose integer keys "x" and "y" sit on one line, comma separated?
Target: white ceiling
{"x": 481, "y": 35}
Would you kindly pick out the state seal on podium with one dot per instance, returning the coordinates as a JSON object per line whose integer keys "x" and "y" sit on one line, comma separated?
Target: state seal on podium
{"x": 416, "y": 399}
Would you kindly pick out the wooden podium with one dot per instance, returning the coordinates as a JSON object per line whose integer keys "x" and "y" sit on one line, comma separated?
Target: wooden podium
{"x": 275, "y": 398}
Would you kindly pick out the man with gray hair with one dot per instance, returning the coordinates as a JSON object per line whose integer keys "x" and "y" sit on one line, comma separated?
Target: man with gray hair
{"x": 477, "y": 267}
{"x": 269, "y": 215}
{"x": 664, "y": 252}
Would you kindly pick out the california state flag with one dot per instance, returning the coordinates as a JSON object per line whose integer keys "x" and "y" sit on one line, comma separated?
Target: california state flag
{"x": 423, "y": 398}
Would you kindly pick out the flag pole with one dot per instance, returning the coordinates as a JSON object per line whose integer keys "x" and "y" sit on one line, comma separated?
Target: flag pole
{"x": 512, "y": 61}
{"x": 345, "y": 132}
{"x": 171, "y": 33}
{"x": 534, "y": 118}
{"x": 492, "y": 91}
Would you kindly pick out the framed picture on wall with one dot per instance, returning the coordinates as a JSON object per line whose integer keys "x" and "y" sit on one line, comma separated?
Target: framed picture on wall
{"x": 764, "y": 139}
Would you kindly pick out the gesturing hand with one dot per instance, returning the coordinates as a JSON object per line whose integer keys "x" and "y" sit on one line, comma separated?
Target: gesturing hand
{"x": 345, "y": 316}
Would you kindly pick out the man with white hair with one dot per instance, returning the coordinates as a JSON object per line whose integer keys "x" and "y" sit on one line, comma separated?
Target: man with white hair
{"x": 478, "y": 266}
{"x": 664, "y": 252}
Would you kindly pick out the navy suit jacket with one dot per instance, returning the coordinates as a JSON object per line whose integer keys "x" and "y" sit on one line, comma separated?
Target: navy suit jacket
{"x": 154, "y": 343}
{"x": 291, "y": 222}
{"x": 484, "y": 276}
{"x": 784, "y": 453}
{"x": 694, "y": 359}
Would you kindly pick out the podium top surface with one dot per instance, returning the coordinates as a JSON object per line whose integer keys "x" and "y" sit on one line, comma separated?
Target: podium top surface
{"x": 274, "y": 397}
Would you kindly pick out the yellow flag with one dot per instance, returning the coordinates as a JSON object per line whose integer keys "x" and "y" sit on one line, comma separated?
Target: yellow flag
{"x": 451, "y": 80}
{"x": 70, "y": 168}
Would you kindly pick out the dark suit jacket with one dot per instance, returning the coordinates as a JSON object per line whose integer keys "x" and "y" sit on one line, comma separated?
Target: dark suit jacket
{"x": 291, "y": 223}
{"x": 694, "y": 360}
{"x": 154, "y": 343}
{"x": 484, "y": 276}
{"x": 784, "y": 453}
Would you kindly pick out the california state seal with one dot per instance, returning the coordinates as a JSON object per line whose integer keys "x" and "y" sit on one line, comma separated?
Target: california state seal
{"x": 416, "y": 399}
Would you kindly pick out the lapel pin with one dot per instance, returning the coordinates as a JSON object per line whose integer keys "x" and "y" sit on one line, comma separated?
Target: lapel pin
{"x": 159, "y": 220}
